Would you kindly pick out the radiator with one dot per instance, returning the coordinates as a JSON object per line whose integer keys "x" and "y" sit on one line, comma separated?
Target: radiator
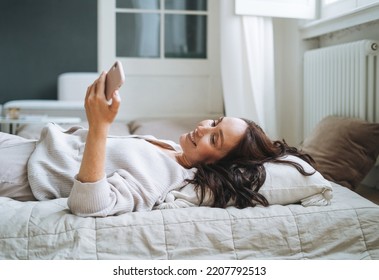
{"x": 341, "y": 80}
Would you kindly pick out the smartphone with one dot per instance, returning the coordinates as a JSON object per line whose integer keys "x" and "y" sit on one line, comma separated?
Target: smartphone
{"x": 114, "y": 79}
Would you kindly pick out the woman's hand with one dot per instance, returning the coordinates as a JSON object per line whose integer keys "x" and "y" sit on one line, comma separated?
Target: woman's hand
{"x": 100, "y": 115}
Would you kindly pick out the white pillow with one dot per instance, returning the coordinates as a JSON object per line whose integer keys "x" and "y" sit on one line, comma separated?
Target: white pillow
{"x": 284, "y": 184}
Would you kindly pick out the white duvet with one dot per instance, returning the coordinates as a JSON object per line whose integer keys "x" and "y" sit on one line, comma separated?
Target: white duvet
{"x": 346, "y": 229}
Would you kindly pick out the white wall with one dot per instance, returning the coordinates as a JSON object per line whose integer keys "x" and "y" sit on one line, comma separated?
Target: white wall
{"x": 360, "y": 32}
{"x": 288, "y": 71}
{"x": 287, "y": 75}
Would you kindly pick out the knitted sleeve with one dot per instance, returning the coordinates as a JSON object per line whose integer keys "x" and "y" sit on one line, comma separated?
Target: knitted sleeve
{"x": 116, "y": 194}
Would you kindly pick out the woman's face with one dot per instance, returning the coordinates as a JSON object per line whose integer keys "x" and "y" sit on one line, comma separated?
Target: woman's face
{"x": 212, "y": 140}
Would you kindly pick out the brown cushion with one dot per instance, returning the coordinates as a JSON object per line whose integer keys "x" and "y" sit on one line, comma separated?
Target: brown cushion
{"x": 345, "y": 149}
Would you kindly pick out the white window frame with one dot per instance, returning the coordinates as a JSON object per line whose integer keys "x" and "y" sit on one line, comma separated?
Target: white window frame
{"x": 152, "y": 66}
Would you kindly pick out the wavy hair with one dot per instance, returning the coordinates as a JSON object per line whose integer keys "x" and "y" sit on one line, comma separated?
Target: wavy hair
{"x": 241, "y": 173}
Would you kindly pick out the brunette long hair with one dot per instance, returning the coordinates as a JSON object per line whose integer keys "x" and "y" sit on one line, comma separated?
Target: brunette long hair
{"x": 240, "y": 174}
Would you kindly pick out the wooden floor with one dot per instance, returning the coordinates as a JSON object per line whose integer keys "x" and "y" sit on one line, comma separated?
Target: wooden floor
{"x": 369, "y": 193}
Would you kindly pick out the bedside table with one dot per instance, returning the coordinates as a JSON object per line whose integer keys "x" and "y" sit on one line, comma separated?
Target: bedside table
{"x": 9, "y": 125}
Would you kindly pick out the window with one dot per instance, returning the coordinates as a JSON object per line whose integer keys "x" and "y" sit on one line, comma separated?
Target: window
{"x": 277, "y": 8}
{"x": 170, "y": 50}
{"x": 333, "y": 8}
{"x": 328, "y": 2}
{"x": 161, "y": 29}
{"x": 173, "y": 37}
{"x": 336, "y": 15}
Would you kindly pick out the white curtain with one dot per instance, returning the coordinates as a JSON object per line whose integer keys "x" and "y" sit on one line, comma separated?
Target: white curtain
{"x": 247, "y": 67}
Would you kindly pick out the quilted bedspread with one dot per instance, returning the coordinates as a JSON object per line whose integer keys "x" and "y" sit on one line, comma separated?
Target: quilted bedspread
{"x": 347, "y": 229}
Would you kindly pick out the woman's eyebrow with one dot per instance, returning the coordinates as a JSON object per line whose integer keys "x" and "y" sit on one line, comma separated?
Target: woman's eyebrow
{"x": 221, "y": 133}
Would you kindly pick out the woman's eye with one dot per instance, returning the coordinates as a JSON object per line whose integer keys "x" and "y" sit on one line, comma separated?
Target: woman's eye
{"x": 213, "y": 139}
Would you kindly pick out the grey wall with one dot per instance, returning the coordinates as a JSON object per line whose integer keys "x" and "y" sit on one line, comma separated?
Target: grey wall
{"x": 39, "y": 39}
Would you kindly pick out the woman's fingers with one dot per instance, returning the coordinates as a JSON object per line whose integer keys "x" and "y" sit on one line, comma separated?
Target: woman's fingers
{"x": 98, "y": 109}
{"x": 99, "y": 85}
{"x": 116, "y": 100}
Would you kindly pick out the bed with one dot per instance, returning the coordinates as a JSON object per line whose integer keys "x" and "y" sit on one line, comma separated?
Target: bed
{"x": 347, "y": 228}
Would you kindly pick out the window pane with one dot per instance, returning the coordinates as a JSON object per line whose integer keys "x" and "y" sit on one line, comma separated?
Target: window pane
{"x": 138, "y": 4}
{"x": 185, "y": 36}
{"x": 189, "y": 5}
{"x": 137, "y": 35}
{"x": 327, "y": 2}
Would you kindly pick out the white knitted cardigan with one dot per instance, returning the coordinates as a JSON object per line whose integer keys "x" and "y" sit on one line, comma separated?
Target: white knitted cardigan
{"x": 138, "y": 174}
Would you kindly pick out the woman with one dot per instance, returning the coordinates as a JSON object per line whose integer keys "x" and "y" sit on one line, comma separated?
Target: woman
{"x": 222, "y": 158}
